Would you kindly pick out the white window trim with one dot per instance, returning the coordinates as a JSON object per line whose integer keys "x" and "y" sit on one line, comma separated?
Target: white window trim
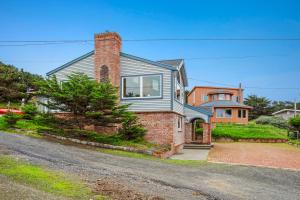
{"x": 181, "y": 100}
{"x": 141, "y": 87}
{"x": 180, "y": 123}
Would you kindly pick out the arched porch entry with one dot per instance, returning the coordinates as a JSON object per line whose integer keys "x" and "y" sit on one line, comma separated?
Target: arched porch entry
{"x": 200, "y": 131}
{"x": 197, "y": 119}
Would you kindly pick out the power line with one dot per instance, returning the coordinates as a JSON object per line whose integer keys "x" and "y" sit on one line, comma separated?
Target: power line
{"x": 159, "y": 39}
{"x": 246, "y": 87}
{"x": 55, "y": 42}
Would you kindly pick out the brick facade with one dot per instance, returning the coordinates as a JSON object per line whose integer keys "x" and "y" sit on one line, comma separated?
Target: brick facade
{"x": 188, "y": 132}
{"x": 206, "y": 133}
{"x": 107, "y": 55}
{"x": 162, "y": 128}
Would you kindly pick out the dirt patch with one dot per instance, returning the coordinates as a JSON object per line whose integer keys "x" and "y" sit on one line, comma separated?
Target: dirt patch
{"x": 4, "y": 150}
{"x": 117, "y": 191}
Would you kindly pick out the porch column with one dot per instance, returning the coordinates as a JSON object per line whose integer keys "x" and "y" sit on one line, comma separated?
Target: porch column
{"x": 206, "y": 133}
{"x": 188, "y": 132}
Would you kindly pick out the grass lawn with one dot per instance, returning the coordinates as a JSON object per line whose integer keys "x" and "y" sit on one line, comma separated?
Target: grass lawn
{"x": 249, "y": 131}
{"x": 45, "y": 180}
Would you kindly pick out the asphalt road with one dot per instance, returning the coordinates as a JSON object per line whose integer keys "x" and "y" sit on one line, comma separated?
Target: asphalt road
{"x": 169, "y": 181}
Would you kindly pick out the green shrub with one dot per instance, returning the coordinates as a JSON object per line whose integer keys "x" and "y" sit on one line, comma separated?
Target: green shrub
{"x": 30, "y": 110}
{"x": 11, "y": 118}
{"x": 131, "y": 129}
{"x": 295, "y": 122}
{"x": 274, "y": 121}
{"x": 3, "y": 124}
{"x": 199, "y": 131}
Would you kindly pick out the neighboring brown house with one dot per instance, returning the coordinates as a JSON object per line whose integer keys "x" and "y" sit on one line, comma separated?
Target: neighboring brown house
{"x": 225, "y": 103}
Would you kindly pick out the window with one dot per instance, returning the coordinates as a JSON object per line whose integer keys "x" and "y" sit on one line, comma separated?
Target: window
{"x": 179, "y": 123}
{"x": 142, "y": 86}
{"x": 104, "y": 73}
{"x": 215, "y": 97}
{"x": 221, "y": 96}
{"x": 242, "y": 113}
{"x": 223, "y": 113}
{"x": 178, "y": 90}
{"x": 205, "y": 98}
{"x": 131, "y": 87}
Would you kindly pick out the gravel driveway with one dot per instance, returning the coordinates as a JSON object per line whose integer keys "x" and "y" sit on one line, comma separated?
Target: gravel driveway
{"x": 208, "y": 181}
{"x": 277, "y": 155}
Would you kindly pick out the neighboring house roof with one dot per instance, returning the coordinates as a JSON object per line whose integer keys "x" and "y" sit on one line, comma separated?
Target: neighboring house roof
{"x": 212, "y": 87}
{"x": 179, "y": 65}
{"x": 165, "y": 65}
{"x": 224, "y": 103}
{"x": 220, "y": 91}
{"x": 199, "y": 109}
{"x": 285, "y": 110}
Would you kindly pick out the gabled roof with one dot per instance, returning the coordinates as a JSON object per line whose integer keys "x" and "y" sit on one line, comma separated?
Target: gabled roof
{"x": 159, "y": 64}
{"x": 179, "y": 65}
{"x": 163, "y": 65}
{"x": 285, "y": 110}
{"x": 224, "y": 103}
{"x": 175, "y": 62}
{"x": 70, "y": 63}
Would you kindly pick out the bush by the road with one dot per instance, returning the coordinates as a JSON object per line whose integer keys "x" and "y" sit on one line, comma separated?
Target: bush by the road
{"x": 295, "y": 122}
{"x": 274, "y": 121}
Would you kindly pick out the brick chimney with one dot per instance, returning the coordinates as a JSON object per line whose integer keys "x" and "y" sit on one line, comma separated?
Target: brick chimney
{"x": 107, "y": 57}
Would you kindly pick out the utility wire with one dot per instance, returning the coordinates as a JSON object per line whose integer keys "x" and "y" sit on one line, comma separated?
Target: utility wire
{"x": 55, "y": 42}
{"x": 246, "y": 87}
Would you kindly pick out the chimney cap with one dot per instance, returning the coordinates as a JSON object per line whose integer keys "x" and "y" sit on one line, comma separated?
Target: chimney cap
{"x": 108, "y": 34}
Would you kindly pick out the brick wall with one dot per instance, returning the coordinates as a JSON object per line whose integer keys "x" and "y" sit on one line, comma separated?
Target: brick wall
{"x": 162, "y": 127}
{"x": 188, "y": 132}
{"x": 107, "y": 53}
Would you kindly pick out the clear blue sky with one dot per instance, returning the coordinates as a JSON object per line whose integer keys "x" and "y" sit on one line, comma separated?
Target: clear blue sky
{"x": 254, "y": 63}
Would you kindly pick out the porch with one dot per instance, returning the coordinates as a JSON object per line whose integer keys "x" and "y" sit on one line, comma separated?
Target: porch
{"x": 197, "y": 119}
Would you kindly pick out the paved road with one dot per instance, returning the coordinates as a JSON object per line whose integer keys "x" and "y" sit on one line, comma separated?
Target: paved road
{"x": 211, "y": 181}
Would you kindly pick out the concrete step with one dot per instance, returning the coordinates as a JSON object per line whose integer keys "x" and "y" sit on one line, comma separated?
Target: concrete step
{"x": 197, "y": 146}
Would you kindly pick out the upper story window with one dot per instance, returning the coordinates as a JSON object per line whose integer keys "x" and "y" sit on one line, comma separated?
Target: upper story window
{"x": 147, "y": 86}
{"x": 221, "y": 96}
{"x": 223, "y": 113}
{"x": 204, "y": 98}
{"x": 178, "y": 90}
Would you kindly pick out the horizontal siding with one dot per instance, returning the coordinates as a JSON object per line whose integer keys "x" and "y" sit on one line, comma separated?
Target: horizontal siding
{"x": 130, "y": 67}
{"x": 85, "y": 66}
{"x": 178, "y": 107}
